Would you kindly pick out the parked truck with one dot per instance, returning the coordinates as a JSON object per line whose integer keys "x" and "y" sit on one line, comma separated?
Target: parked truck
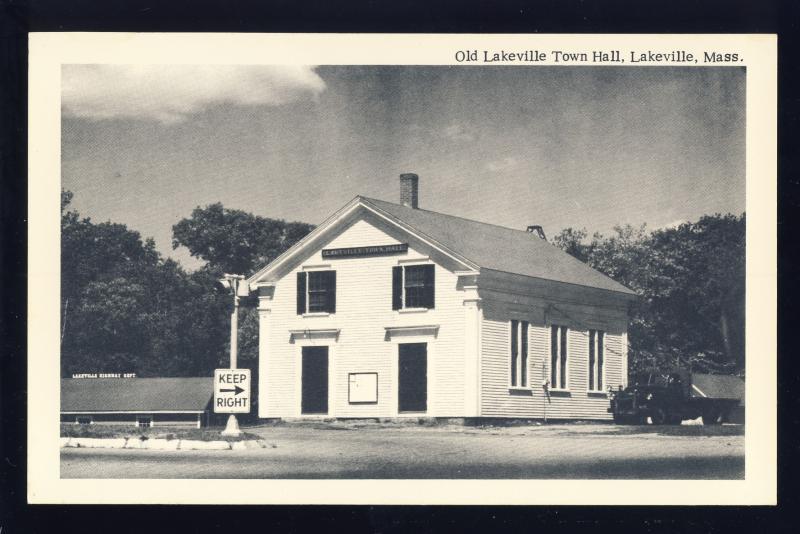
{"x": 668, "y": 398}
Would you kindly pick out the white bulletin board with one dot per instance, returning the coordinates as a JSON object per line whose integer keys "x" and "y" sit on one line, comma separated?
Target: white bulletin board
{"x": 363, "y": 388}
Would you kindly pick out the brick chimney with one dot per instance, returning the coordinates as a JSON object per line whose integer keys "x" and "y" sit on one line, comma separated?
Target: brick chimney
{"x": 538, "y": 230}
{"x": 409, "y": 190}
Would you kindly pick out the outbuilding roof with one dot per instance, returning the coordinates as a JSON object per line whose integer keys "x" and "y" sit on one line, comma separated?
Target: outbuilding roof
{"x": 718, "y": 386}
{"x": 499, "y": 248}
{"x": 135, "y": 394}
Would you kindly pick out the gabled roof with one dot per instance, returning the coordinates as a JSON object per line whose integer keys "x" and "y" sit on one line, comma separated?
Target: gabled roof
{"x": 499, "y": 248}
{"x": 717, "y": 386}
{"x": 474, "y": 244}
{"x": 135, "y": 394}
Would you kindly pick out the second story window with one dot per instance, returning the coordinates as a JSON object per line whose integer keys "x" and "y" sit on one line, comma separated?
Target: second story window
{"x": 316, "y": 292}
{"x": 413, "y": 286}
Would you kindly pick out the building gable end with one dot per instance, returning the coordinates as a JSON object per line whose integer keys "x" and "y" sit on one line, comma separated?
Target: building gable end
{"x": 329, "y": 233}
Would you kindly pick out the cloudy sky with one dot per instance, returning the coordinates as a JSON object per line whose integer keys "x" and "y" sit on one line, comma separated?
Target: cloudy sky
{"x": 580, "y": 146}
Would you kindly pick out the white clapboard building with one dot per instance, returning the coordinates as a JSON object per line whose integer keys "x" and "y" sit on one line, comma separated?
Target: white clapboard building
{"x": 389, "y": 310}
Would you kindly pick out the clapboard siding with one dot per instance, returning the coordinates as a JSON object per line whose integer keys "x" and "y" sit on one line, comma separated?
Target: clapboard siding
{"x": 499, "y": 400}
{"x": 363, "y": 311}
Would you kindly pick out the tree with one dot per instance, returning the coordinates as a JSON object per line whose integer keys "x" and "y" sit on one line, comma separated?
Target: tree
{"x": 126, "y": 309}
{"x": 690, "y": 281}
{"x": 234, "y": 241}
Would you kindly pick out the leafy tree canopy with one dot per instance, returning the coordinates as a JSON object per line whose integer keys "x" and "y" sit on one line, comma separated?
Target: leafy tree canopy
{"x": 126, "y": 309}
{"x": 235, "y": 241}
{"x": 691, "y": 282}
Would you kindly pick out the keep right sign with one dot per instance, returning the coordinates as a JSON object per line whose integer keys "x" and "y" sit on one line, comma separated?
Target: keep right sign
{"x": 232, "y": 391}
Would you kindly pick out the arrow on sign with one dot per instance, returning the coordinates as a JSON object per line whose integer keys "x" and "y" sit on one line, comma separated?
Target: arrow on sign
{"x": 235, "y": 391}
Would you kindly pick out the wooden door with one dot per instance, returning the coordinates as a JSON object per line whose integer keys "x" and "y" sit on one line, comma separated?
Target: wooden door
{"x": 413, "y": 377}
{"x": 314, "y": 380}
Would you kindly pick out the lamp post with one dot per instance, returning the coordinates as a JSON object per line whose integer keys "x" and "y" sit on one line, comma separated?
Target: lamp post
{"x": 232, "y": 281}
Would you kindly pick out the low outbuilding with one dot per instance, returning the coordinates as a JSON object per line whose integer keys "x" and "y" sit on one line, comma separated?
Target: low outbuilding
{"x": 727, "y": 387}
{"x": 142, "y": 402}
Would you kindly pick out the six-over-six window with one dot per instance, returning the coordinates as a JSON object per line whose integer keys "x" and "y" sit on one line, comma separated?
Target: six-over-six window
{"x": 413, "y": 286}
{"x": 316, "y": 292}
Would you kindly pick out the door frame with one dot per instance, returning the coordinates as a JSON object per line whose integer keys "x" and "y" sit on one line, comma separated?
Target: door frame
{"x": 298, "y": 381}
{"x": 431, "y": 370}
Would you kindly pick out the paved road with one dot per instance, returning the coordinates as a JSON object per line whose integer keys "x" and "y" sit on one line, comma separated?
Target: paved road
{"x": 557, "y": 451}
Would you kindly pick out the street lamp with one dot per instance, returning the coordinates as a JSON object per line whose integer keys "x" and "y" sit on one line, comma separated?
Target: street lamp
{"x": 232, "y": 281}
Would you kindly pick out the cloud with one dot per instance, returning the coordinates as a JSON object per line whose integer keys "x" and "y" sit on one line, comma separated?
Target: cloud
{"x": 171, "y": 93}
{"x": 504, "y": 164}
{"x": 457, "y": 132}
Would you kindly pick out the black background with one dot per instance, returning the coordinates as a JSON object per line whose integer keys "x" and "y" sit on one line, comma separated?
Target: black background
{"x": 554, "y": 16}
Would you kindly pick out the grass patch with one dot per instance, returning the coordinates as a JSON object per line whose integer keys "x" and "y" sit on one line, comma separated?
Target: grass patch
{"x": 69, "y": 430}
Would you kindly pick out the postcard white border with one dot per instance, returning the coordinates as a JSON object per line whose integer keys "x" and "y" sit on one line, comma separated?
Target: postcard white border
{"x": 48, "y": 51}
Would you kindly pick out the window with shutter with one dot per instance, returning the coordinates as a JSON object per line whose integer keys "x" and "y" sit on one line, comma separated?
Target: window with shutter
{"x": 316, "y": 292}
{"x": 413, "y": 286}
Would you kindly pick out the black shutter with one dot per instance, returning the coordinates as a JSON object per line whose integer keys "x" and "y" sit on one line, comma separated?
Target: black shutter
{"x": 397, "y": 288}
{"x": 430, "y": 286}
{"x": 330, "y": 286}
{"x": 301, "y": 293}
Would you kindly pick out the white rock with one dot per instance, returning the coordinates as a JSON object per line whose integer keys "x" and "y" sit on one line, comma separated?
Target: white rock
{"x": 66, "y": 442}
{"x": 191, "y": 444}
{"x": 136, "y": 443}
{"x": 161, "y": 444}
{"x": 693, "y": 422}
{"x": 101, "y": 443}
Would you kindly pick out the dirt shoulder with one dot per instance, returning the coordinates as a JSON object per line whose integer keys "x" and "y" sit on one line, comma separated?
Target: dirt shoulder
{"x": 167, "y": 433}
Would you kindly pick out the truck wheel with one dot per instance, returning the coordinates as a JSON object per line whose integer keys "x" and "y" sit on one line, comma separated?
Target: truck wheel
{"x": 674, "y": 420}
{"x": 658, "y": 417}
{"x": 712, "y": 418}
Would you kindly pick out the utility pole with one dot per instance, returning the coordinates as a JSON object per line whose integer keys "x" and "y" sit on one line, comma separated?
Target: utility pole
{"x": 232, "y": 281}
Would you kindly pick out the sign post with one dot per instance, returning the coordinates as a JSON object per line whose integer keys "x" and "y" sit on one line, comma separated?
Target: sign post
{"x": 228, "y": 393}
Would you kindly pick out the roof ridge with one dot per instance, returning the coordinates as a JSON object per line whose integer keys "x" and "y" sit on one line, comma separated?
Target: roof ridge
{"x": 453, "y": 216}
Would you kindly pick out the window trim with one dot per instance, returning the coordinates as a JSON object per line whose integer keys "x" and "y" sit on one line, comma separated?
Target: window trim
{"x": 309, "y": 274}
{"x": 310, "y": 271}
{"x": 349, "y": 387}
{"x": 522, "y": 378}
{"x": 602, "y": 368}
{"x": 413, "y": 309}
{"x": 554, "y": 385}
